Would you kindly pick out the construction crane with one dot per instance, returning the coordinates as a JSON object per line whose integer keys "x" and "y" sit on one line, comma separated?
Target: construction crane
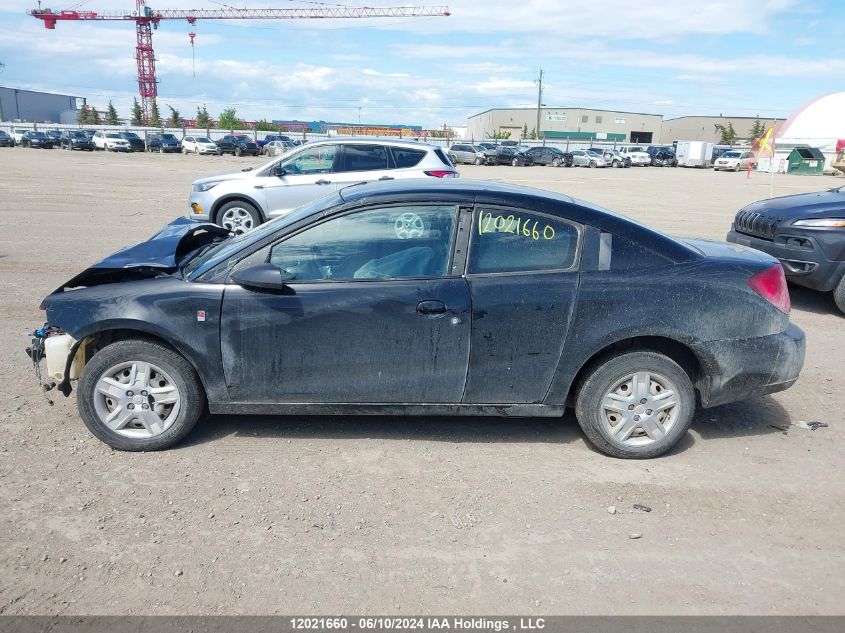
{"x": 146, "y": 19}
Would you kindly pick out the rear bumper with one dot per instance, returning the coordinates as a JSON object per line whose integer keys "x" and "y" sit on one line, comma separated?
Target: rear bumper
{"x": 744, "y": 368}
{"x": 807, "y": 267}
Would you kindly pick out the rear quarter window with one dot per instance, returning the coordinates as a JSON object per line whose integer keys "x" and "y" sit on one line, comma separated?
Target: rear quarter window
{"x": 405, "y": 157}
{"x": 629, "y": 255}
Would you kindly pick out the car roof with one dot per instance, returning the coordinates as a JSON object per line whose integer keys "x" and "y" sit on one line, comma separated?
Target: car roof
{"x": 375, "y": 141}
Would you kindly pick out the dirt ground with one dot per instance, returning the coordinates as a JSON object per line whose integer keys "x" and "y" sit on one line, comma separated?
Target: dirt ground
{"x": 389, "y": 515}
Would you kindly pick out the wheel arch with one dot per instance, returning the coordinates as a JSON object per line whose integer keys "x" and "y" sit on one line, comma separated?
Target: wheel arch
{"x": 236, "y": 197}
{"x": 677, "y": 351}
{"x": 99, "y": 338}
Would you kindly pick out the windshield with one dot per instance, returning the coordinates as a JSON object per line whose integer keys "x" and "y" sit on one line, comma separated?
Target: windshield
{"x": 113, "y": 136}
{"x": 635, "y": 149}
{"x": 233, "y": 245}
{"x": 130, "y": 135}
{"x": 593, "y": 153}
{"x": 203, "y": 139}
{"x": 38, "y": 135}
{"x": 243, "y": 137}
{"x": 169, "y": 137}
{"x": 730, "y": 155}
{"x": 78, "y": 135}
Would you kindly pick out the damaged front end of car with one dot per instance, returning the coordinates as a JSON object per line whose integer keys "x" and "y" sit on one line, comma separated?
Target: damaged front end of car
{"x": 58, "y": 356}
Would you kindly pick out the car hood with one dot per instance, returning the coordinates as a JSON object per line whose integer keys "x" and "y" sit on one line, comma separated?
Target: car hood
{"x": 226, "y": 175}
{"x": 821, "y": 204}
{"x": 164, "y": 252}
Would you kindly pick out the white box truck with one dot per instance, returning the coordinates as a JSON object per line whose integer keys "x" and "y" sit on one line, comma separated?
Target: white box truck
{"x": 694, "y": 154}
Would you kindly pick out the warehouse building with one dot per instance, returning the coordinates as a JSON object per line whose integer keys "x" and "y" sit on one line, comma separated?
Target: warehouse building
{"x": 703, "y": 128}
{"x": 567, "y": 124}
{"x": 38, "y": 107}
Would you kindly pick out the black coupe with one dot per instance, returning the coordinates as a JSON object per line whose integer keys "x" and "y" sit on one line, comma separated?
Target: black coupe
{"x": 411, "y": 297}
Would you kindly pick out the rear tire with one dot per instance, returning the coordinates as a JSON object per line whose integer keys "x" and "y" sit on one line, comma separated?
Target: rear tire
{"x": 610, "y": 408}
{"x": 839, "y": 295}
{"x": 165, "y": 370}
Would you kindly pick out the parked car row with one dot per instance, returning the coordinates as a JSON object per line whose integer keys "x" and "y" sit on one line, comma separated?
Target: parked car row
{"x": 512, "y": 153}
{"x": 164, "y": 142}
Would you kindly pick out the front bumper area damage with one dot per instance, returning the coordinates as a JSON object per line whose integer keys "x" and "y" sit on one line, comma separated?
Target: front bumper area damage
{"x": 62, "y": 355}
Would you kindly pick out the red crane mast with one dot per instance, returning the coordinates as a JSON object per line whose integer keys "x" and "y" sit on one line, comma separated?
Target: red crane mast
{"x": 146, "y": 19}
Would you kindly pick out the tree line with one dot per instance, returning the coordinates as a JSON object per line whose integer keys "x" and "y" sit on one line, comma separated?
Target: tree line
{"x": 228, "y": 119}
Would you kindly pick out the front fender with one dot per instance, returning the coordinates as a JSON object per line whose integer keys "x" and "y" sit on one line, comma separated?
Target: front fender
{"x": 185, "y": 315}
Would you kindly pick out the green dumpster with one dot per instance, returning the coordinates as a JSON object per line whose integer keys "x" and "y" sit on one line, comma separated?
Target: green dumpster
{"x": 805, "y": 161}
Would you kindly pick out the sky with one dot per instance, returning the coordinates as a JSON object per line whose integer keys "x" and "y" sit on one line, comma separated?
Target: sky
{"x": 675, "y": 58}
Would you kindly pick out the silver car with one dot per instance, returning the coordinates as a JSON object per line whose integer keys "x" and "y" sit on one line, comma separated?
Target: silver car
{"x": 465, "y": 153}
{"x": 587, "y": 158}
{"x": 242, "y": 200}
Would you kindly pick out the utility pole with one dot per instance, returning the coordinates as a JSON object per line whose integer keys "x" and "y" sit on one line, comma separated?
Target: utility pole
{"x": 539, "y": 101}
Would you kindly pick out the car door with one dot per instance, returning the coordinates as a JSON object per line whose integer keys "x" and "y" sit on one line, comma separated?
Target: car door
{"x": 523, "y": 275}
{"x": 304, "y": 176}
{"x": 371, "y": 313}
{"x": 579, "y": 158}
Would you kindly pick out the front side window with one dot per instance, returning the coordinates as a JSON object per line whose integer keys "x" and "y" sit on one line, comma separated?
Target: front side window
{"x": 313, "y": 160}
{"x": 515, "y": 240}
{"x": 364, "y": 157}
{"x": 386, "y": 243}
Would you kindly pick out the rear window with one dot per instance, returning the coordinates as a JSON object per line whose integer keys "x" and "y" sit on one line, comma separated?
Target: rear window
{"x": 364, "y": 157}
{"x": 406, "y": 157}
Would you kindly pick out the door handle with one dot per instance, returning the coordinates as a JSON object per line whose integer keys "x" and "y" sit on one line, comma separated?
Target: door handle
{"x": 386, "y": 178}
{"x": 258, "y": 186}
{"x": 323, "y": 182}
{"x": 431, "y": 308}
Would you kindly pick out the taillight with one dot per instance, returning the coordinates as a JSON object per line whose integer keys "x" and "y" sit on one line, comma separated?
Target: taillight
{"x": 442, "y": 174}
{"x": 771, "y": 285}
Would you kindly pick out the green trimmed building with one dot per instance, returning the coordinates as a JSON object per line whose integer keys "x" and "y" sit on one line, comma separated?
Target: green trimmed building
{"x": 560, "y": 124}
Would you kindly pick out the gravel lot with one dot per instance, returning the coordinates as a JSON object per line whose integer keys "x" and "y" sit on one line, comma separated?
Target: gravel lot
{"x": 389, "y": 515}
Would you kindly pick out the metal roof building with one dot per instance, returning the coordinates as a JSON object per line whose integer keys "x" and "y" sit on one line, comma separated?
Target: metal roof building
{"x": 30, "y": 105}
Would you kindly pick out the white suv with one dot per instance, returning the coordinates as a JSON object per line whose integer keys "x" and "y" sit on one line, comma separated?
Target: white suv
{"x": 639, "y": 157}
{"x": 199, "y": 145}
{"x": 110, "y": 141}
{"x": 242, "y": 200}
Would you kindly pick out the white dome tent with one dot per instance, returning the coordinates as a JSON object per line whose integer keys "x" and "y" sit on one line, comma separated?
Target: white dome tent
{"x": 818, "y": 123}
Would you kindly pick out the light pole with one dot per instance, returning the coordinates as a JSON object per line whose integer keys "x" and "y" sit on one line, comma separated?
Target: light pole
{"x": 539, "y": 100}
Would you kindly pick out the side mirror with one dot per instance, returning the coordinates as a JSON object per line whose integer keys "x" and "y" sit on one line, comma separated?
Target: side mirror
{"x": 278, "y": 170}
{"x": 261, "y": 277}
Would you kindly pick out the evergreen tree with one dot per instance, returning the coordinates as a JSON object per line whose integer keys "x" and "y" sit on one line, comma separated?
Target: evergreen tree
{"x": 525, "y": 131}
{"x": 203, "y": 120}
{"x": 175, "y": 119}
{"x": 94, "y": 116}
{"x": 111, "y": 115}
{"x": 83, "y": 117}
{"x": 758, "y": 128}
{"x": 137, "y": 113}
{"x": 155, "y": 117}
{"x": 727, "y": 133}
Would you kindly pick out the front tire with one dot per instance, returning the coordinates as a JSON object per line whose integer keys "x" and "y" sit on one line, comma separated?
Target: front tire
{"x": 138, "y": 395}
{"x": 839, "y": 295}
{"x": 556, "y": 162}
{"x": 635, "y": 405}
{"x": 238, "y": 217}
{"x": 592, "y": 163}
